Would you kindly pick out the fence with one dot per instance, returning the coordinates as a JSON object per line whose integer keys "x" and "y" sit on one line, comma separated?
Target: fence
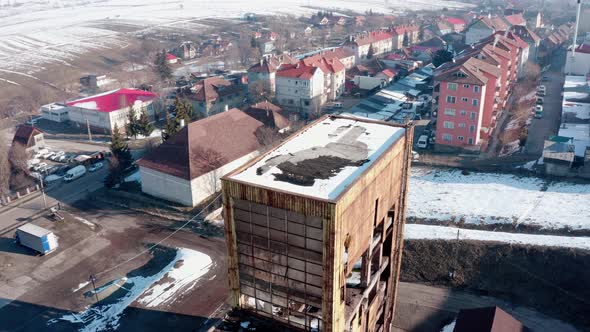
{"x": 7, "y": 199}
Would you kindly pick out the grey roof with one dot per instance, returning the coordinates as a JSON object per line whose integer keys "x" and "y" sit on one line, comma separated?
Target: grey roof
{"x": 34, "y": 230}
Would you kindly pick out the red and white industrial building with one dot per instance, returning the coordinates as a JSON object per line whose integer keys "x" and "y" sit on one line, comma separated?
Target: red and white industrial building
{"x": 103, "y": 111}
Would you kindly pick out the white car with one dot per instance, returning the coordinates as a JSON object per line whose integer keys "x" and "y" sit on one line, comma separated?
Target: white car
{"x": 39, "y": 167}
{"x": 47, "y": 154}
{"x": 95, "y": 167}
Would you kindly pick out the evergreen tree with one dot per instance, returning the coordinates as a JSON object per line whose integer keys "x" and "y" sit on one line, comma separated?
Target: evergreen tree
{"x": 441, "y": 56}
{"x": 144, "y": 125}
{"x": 170, "y": 128}
{"x": 120, "y": 149}
{"x": 184, "y": 110}
{"x": 161, "y": 65}
{"x": 370, "y": 52}
{"x": 132, "y": 126}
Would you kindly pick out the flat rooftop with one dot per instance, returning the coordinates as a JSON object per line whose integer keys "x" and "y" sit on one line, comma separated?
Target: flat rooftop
{"x": 322, "y": 160}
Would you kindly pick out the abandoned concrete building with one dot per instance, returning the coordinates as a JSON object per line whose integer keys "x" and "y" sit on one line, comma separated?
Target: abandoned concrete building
{"x": 314, "y": 227}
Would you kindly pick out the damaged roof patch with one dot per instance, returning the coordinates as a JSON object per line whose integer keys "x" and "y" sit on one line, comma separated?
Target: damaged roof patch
{"x": 324, "y": 159}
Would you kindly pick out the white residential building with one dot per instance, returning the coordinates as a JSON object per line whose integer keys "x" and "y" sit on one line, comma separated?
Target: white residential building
{"x": 300, "y": 87}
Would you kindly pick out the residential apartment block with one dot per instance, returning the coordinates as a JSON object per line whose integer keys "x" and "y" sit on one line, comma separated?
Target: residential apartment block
{"x": 300, "y": 87}
{"x": 379, "y": 42}
{"x": 472, "y": 91}
{"x": 213, "y": 95}
{"x": 314, "y": 227}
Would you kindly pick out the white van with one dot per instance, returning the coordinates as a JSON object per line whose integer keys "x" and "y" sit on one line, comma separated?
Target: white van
{"x": 75, "y": 173}
{"x": 423, "y": 142}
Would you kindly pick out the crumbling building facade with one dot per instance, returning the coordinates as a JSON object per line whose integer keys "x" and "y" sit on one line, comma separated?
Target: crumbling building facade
{"x": 314, "y": 227}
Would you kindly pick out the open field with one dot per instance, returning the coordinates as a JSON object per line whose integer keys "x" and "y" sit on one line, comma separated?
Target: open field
{"x": 34, "y": 34}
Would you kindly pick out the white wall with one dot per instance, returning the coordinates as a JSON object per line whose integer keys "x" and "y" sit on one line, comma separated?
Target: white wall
{"x": 578, "y": 65}
{"x": 185, "y": 192}
{"x": 166, "y": 186}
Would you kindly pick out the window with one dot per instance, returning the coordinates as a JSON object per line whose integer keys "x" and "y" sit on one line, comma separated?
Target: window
{"x": 476, "y": 88}
{"x": 465, "y": 99}
{"x": 470, "y": 140}
{"x": 449, "y": 124}
{"x": 472, "y": 115}
{"x": 461, "y": 125}
{"x": 461, "y": 138}
{"x": 463, "y": 113}
{"x": 466, "y": 86}
{"x": 472, "y": 128}
{"x": 450, "y": 111}
{"x": 475, "y": 102}
{"x": 452, "y": 86}
{"x": 451, "y": 99}
{"x": 447, "y": 137}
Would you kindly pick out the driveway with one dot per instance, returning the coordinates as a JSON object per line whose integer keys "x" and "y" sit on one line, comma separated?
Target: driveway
{"x": 542, "y": 129}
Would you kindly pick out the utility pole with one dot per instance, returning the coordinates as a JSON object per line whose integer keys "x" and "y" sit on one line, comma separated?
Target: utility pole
{"x": 93, "y": 279}
{"x": 88, "y": 128}
{"x": 43, "y": 192}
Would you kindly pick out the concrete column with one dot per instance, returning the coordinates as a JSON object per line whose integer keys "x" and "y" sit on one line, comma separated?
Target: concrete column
{"x": 28, "y": 190}
{"x": 17, "y": 195}
{"x": 366, "y": 269}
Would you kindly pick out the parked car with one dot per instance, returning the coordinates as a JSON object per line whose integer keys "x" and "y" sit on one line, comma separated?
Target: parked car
{"x": 422, "y": 142}
{"x": 38, "y": 166}
{"x": 541, "y": 93}
{"x": 538, "y": 111}
{"x": 75, "y": 173}
{"x": 47, "y": 155}
{"x": 546, "y": 79}
{"x": 540, "y": 101}
{"x": 62, "y": 159}
{"x": 541, "y": 87}
{"x": 95, "y": 167}
{"x": 415, "y": 156}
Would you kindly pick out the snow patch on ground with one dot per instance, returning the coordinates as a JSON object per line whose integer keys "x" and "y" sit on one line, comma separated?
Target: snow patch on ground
{"x": 487, "y": 198}
{"x": 450, "y": 327}
{"x": 85, "y": 222}
{"x": 189, "y": 268}
{"x": 215, "y": 217}
{"x": 432, "y": 232}
{"x": 106, "y": 317}
{"x": 80, "y": 286}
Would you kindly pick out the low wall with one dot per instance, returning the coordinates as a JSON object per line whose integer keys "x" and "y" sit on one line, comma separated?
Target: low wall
{"x": 552, "y": 280}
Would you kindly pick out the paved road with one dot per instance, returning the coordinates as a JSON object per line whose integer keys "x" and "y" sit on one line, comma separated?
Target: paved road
{"x": 63, "y": 192}
{"x": 422, "y": 308}
{"x": 541, "y": 129}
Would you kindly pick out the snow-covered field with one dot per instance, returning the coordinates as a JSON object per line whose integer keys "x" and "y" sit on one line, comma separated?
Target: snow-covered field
{"x": 437, "y": 194}
{"x": 433, "y": 232}
{"x": 162, "y": 288}
{"x": 34, "y": 32}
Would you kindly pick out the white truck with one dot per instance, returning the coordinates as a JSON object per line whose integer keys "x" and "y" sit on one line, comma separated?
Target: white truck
{"x": 36, "y": 238}
{"x": 75, "y": 173}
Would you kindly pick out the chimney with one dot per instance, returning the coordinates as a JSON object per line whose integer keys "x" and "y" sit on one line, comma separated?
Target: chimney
{"x": 226, "y": 108}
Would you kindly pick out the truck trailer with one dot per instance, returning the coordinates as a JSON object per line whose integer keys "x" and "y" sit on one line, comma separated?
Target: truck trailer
{"x": 36, "y": 238}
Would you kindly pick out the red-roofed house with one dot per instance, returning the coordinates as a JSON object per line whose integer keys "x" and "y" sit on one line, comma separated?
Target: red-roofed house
{"x": 458, "y": 24}
{"x": 265, "y": 71}
{"x": 334, "y": 74}
{"x": 215, "y": 94}
{"x": 300, "y": 87}
{"x": 187, "y": 167}
{"x": 171, "y": 58}
{"x": 515, "y": 19}
{"x": 345, "y": 55}
{"x": 411, "y": 32}
{"x": 103, "y": 111}
{"x": 379, "y": 41}
{"x": 29, "y": 137}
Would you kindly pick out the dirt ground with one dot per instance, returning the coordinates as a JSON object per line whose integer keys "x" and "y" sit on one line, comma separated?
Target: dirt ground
{"x": 46, "y": 287}
{"x": 514, "y": 273}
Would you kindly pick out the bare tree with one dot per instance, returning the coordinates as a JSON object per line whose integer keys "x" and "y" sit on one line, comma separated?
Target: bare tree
{"x": 267, "y": 136}
{"x": 209, "y": 162}
{"x": 18, "y": 157}
{"x": 532, "y": 71}
{"x": 4, "y": 171}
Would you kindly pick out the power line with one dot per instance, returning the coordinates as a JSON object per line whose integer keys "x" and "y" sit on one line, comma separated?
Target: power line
{"x": 159, "y": 242}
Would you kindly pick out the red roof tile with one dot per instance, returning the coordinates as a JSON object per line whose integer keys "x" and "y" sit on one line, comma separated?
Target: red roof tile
{"x": 455, "y": 21}
{"x": 516, "y": 19}
{"x": 299, "y": 70}
{"x": 269, "y": 114}
{"x": 113, "y": 100}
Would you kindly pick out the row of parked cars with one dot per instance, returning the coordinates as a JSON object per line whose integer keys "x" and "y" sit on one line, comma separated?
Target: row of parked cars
{"x": 541, "y": 93}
